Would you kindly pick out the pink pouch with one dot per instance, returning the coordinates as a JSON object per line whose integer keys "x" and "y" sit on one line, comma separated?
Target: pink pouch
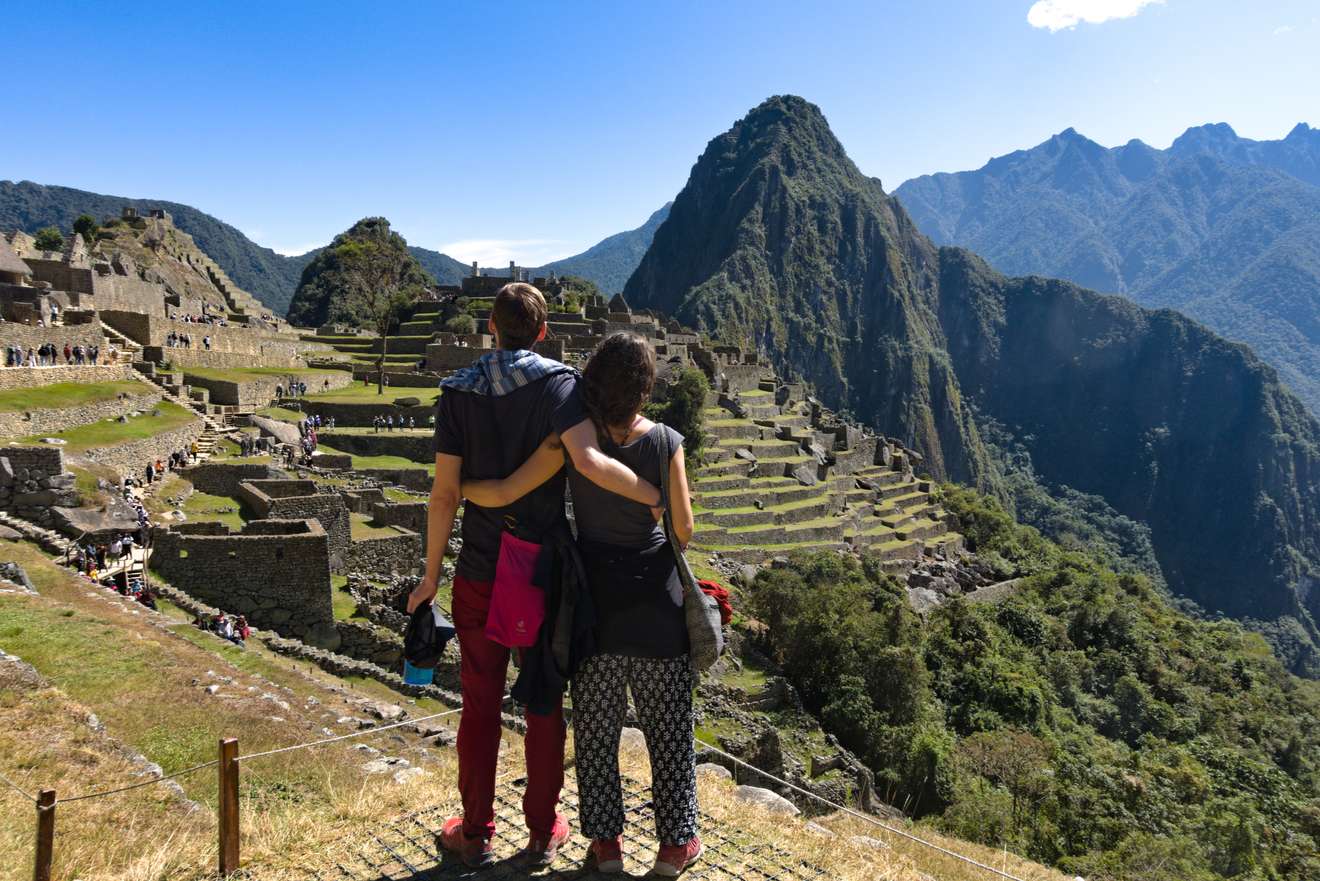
{"x": 517, "y": 607}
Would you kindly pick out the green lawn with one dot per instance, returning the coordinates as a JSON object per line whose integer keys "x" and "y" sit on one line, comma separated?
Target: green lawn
{"x": 110, "y": 432}
{"x": 222, "y": 509}
{"x": 61, "y": 395}
{"x": 363, "y": 527}
{"x": 360, "y": 462}
{"x": 357, "y": 393}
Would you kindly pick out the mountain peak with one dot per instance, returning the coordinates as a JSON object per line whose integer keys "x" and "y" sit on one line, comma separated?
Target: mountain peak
{"x": 1301, "y": 130}
{"x": 1200, "y": 137}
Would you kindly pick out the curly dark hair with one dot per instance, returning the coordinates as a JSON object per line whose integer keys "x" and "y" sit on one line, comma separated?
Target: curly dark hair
{"x": 617, "y": 381}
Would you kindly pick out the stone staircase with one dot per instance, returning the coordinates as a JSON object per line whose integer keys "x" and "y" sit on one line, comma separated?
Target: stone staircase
{"x": 214, "y": 430}
{"x": 127, "y": 351}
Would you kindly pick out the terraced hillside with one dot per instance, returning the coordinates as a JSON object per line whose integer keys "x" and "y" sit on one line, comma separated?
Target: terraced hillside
{"x": 785, "y": 476}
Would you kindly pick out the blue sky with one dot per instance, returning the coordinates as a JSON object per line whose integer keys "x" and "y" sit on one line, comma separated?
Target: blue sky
{"x": 533, "y": 130}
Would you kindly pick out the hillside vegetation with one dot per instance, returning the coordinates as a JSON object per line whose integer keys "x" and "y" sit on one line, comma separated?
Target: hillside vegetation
{"x": 332, "y": 285}
{"x": 1082, "y": 722}
{"x": 1223, "y": 228}
{"x": 778, "y": 242}
{"x": 268, "y": 276}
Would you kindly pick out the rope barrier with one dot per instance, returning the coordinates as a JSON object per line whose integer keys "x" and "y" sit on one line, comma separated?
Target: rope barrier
{"x": 363, "y": 733}
{"x": 20, "y": 790}
{"x": 151, "y": 782}
{"x": 858, "y": 814}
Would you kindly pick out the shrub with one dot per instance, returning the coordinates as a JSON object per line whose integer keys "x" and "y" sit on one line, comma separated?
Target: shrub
{"x": 49, "y": 239}
{"x": 461, "y": 324}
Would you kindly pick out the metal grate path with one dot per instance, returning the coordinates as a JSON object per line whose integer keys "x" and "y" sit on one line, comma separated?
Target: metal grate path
{"x": 409, "y": 849}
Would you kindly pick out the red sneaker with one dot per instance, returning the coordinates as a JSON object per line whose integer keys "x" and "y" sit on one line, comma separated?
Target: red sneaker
{"x": 673, "y": 859}
{"x": 475, "y": 853}
{"x": 541, "y": 851}
{"x": 606, "y": 855}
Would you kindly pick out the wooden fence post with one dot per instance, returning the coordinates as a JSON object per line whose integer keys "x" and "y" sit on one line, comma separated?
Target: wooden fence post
{"x": 228, "y": 806}
{"x": 41, "y": 870}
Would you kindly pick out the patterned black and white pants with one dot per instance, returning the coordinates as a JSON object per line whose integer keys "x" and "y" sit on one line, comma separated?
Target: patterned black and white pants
{"x": 662, "y": 693}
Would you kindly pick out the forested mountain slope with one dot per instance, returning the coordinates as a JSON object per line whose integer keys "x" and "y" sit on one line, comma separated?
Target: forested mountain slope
{"x": 778, "y": 241}
{"x": 1223, "y": 228}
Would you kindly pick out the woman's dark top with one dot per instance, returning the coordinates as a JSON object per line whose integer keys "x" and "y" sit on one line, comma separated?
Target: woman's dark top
{"x": 629, "y": 563}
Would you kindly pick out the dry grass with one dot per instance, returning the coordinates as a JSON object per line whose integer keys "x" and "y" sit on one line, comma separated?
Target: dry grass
{"x": 299, "y": 810}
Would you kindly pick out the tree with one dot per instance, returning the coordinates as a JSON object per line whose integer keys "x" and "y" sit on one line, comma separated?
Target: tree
{"x": 49, "y": 239}
{"x": 461, "y": 324}
{"x": 682, "y": 410}
{"x": 379, "y": 278}
{"x": 87, "y": 227}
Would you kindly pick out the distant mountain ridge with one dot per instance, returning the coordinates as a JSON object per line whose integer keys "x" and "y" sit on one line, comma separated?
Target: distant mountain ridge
{"x": 272, "y": 277}
{"x": 779, "y": 242}
{"x": 268, "y": 276}
{"x": 1223, "y": 228}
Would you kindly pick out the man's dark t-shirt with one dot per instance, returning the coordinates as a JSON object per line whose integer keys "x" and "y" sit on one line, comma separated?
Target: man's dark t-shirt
{"x": 494, "y": 434}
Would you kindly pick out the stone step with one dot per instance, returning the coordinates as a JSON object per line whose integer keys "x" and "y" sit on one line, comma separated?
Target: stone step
{"x": 743, "y": 497}
{"x": 731, "y": 428}
{"x": 784, "y": 514}
{"x": 764, "y": 449}
{"x": 727, "y": 468}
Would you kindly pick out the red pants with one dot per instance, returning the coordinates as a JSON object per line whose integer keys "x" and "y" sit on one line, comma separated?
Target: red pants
{"x": 484, "y": 667}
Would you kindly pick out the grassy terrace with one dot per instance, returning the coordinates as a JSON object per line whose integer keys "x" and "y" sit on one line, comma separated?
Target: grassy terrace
{"x": 244, "y": 374}
{"x": 360, "y": 462}
{"x": 61, "y": 395}
{"x": 363, "y": 527}
{"x": 110, "y": 432}
{"x": 366, "y": 394}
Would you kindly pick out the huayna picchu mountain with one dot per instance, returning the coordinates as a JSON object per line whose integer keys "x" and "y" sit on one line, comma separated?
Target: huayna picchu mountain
{"x": 778, "y": 240}
{"x": 1223, "y": 228}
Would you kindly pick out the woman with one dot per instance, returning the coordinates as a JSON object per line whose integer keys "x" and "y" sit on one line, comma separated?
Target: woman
{"x": 641, "y": 633}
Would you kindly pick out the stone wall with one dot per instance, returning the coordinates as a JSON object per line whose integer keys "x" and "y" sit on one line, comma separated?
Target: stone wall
{"x": 223, "y": 478}
{"x": 372, "y": 643}
{"x": 409, "y": 515}
{"x": 27, "y": 377}
{"x": 75, "y": 335}
{"x": 277, "y": 573}
{"x": 415, "y": 479}
{"x": 413, "y": 446}
{"x": 299, "y": 500}
{"x": 378, "y": 556}
{"x": 360, "y": 415}
{"x": 394, "y": 379}
{"x": 131, "y": 457}
{"x": 256, "y": 348}
{"x": 55, "y": 420}
{"x": 33, "y": 480}
{"x": 258, "y": 391}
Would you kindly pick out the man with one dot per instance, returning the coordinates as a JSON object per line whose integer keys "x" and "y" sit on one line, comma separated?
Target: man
{"x": 489, "y": 419}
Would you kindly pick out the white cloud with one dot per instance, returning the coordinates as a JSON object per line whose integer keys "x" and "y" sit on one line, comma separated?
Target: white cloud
{"x": 296, "y": 250}
{"x": 498, "y": 252}
{"x": 1283, "y": 29}
{"x": 1058, "y": 15}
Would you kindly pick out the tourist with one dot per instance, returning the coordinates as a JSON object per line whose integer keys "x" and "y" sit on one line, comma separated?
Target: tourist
{"x": 241, "y": 628}
{"x": 641, "y": 632}
{"x": 68, "y": 354}
{"x": 412, "y": 423}
{"x": 279, "y": 391}
{"x": 495, "y": 412}
{"x": 389, "y": 423}
{"x": 193, "y": 450}
{"x": 93, "y": 353}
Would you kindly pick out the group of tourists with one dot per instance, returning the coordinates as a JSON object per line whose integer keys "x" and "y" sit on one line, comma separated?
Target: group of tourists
{"x": 253, "y": 445}
{"x": 297, "y": 389}
{"x": 235, "y": 629}
{"x": 48, "y": 355}
{"x": 388, "y": 423}
{"x": 510, "y": 432}
{"x": 176, "y": 340}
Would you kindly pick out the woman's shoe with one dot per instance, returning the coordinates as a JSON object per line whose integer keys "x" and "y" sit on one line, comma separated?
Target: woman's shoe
{"x": 673, "y": 859}
{"x": 606, "y": 855}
